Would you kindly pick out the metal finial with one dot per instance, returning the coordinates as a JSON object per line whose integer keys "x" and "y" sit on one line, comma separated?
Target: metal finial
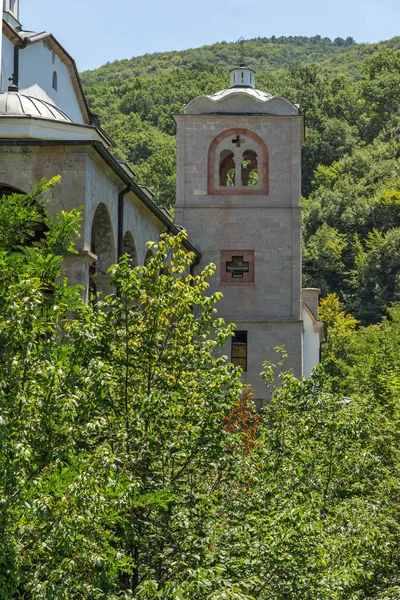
{"x": 241, "y": 42}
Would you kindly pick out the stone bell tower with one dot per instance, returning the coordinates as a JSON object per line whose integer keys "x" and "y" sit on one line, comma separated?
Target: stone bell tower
{"x": 238, "y": 196}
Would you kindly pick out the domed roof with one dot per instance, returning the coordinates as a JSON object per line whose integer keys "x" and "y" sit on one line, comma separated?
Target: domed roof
{"x": 248, "y": 91}
{"x": 241, "y": 97}
{"x": 13, "y": 104}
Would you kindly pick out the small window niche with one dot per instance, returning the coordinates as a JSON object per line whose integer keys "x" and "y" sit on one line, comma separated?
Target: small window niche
{"x": 237, "y": 266}
{"x": 227, "y": 169}
{"x": 55, "y": 80}
{"x": 239, "y": 350}
{"x": 249, "y": 169}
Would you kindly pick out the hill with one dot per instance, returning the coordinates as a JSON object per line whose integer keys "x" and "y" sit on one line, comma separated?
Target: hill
{"x": 350, "y": 95}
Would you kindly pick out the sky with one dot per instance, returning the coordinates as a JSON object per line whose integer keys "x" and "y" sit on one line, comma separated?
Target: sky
{"x": 98, "y": 31}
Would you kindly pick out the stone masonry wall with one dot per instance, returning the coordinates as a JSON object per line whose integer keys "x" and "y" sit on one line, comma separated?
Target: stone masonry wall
{"x": 270, "y": 308}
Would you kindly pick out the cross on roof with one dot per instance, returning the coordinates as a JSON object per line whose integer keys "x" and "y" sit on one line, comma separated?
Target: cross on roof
{"x": 241, "y": 51}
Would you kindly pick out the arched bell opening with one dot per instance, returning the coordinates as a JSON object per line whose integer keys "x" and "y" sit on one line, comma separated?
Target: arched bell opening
{"x": 238, "y": 163}
{"x": 129, "y": 248}
{"x": 103, "y": 246}
{"x": 227, "y": 171}
{"x": 249, "y": 169}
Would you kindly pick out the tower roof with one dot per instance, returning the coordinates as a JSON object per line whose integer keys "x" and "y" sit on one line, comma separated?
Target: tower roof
{"x": 241, "y": 97}
{"x": 241, "y": 100}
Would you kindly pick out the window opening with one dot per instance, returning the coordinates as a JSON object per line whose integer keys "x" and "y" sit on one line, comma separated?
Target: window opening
{"x": 237, "y": 266}
{"x": 148, "y": 257}
{"x": 38, "y": 228}
{"x": 129, "y": 248}
{"x": 238, "y": 163}
{"x": 242, "y": 77}
{"x": 227, "y": 170}
{"x": 55, "y": 82}
{"x": 239, "y": 350}
{"x": 249, "y": 173}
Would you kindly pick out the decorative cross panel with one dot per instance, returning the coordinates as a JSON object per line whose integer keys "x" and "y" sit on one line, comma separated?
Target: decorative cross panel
{"x": 237, "y": 266}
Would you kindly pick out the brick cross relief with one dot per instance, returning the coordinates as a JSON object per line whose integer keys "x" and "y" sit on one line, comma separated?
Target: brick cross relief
{"x": 238, "y": 140}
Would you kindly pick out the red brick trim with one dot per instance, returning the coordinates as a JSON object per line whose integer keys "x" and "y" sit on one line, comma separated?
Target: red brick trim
{"x": 239, "y": 191}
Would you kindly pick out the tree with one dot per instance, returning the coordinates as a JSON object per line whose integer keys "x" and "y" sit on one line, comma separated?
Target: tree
{"x": 132, "y": 467}
{"x": 113, "y": 447}
{"x": 35, "y": 302}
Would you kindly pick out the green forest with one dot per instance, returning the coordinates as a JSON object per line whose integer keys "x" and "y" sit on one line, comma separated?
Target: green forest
{"x": 349, "y": 94}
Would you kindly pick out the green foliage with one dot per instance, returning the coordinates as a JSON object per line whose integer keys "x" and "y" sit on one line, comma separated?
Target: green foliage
{"x": 132, "y": 467}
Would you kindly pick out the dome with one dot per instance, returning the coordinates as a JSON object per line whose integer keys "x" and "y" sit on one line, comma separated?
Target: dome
{"x": 241, "y": 97}
{"x": 13, "y": 104}
{"x": 243, "y": 91}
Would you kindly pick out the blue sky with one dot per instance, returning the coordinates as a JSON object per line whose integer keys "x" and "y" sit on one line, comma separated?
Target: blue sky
{"x": 97, "y": 31}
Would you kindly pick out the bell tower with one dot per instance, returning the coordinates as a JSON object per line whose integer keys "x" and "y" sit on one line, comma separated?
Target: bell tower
{"x": 238, "y": 196}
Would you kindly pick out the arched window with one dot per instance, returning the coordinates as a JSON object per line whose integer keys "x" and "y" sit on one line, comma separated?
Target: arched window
{"x": 238, "y": 163}
{"x": 103, "y": 246}
{"x": 38, "y": 229}
{"x": 55, "y": 80}
{"x": 148, "y": 257}
{"x": 129, "y": 248}
{"x": 227, "y": 171}
{"x": 249, "y": 169}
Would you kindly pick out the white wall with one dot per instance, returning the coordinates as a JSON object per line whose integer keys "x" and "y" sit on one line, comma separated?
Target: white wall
{"x": 1, "y": 67}
{"x": 37, "y": 64}
{"x": 311, "y": 344}
{"x": 7, "y": 62}
{"x": 142, "y": 224}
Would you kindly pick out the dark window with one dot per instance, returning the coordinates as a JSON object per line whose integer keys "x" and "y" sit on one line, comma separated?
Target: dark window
{"x": 55, "y": 82}
{"x": 239, "y": 349}
{"x": 39, "y": 228}
{"x": 227, "y": 168}
{"x": 249, "y": 169}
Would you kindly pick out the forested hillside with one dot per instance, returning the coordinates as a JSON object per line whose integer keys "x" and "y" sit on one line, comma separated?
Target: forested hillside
{"x": 351, "y": 172}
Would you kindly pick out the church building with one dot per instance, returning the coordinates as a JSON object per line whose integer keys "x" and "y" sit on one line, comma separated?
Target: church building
{"x": 238, "y": 193}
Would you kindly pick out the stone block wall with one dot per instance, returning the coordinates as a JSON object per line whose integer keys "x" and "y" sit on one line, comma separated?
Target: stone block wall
{"x": 267, "y": 223}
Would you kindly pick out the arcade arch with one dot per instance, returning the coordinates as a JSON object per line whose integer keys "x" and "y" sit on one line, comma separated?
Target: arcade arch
{"x": 129, "y": 248}
{"x": 103, "y": 246}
